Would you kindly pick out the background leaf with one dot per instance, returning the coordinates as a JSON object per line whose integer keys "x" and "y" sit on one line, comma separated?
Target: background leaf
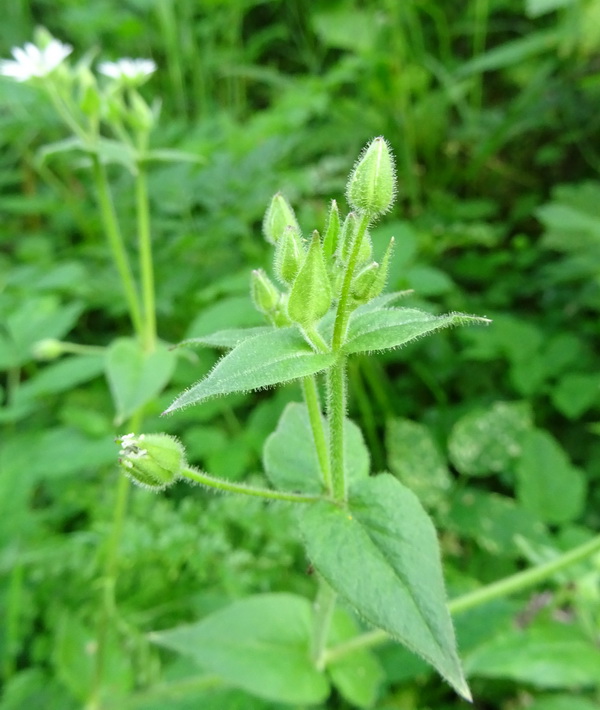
{"x": 260, "y": 644}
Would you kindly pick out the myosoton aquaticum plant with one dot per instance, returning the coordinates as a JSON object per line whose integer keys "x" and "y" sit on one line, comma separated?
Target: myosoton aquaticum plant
{"x": 373, "y": 546}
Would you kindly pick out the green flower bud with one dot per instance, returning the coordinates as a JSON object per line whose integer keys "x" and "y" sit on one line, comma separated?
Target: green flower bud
{"x": 140, "y": 115}
{"x": 332, "y": 233}
{"x": 310, "y": 297}
{"x": 370, "y": 281}
{"x": 89, "y": 97}
{"x": 289, "y": 255}
{"x": 265, "y": 295}
{"x": 349, "y": 229}
{"x": 47, "y": 349}
{"x": 152, "y": 461}
{"x": 371, "y": 186}
{"x": 278, "y": 217}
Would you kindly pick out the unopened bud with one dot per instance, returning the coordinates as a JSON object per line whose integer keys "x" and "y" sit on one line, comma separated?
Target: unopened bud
{"x": 332, "y": 233}
{"x": 310, "y": 297}
{"x": 289, "y": 255}
{"x": 349, "y": 229}
{"x": 371, "y": 186}
{"x": 47, "y": 349}
{"x": 265, "y": 295}
{"x": 370, "y": 282}
{"x": 278, "y": 217}
{"x": 152, "y": 461}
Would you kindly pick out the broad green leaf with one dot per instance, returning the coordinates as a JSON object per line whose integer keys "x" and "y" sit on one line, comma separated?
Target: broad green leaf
{"x": 391, "y": 327}
{"x": 494, "y": 521}
{"x": 547, "y": 655}
{"x": 415, "y": 460}
{"x": 62, "y": 375}
{"x": 559, "y": 701}
{"x": 260, "y": 644}
{"x": 575, "y": 393}
{"x": 488, "y": 441}
{"x": 289, "y": 455}
{"x": 548, "y": 484}
{"x": 358, "y": 675}
{"x": 265, "y": 360}
{"x": 228, "y": 338}
{"x": 382, "y": 557}
{"x": 134, "y": 376}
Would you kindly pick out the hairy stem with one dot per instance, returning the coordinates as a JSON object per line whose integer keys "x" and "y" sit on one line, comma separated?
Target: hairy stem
{"x": 336, "y": 383}
{"x": 311, "y": 397}
{"x": 145, "y": 256}
{"x": 230, "y": 487}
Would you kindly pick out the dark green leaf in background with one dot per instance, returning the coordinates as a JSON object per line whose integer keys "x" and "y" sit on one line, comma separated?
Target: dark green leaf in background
{"x": 260, "y": 644}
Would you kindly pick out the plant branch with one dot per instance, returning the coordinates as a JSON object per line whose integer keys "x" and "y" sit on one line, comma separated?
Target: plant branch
{"x": 230, "y": 487}
{"x": 336, "y": 384}
{"x": 145, "y": 256}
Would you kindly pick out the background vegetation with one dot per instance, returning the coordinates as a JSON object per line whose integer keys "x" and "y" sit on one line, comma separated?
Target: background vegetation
{"x": 491, "y": 107}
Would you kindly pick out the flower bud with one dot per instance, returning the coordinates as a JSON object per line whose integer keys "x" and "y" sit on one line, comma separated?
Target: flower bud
{"x": 152, "y": 461}
{"x": 310, "y": 297}
{"x": 370, "y": 281}
{"x": 289, "y": 255}
{"x": 347, "y": 235}
{"x": 278, "y": 217}
{"x": 264, "y": 293}
{"x": 332, "y": 233}
{"x": 140, "y": 115}
{"x": 371, "y": 186}
{"x": 47, "y": 349}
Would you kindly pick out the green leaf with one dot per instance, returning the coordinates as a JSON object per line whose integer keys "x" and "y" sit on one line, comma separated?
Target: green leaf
{"x": 382, "y": 557}
{"x": 547, "y": 483}
{"x": 391, "y": 327}
{"x": 566, "y": 701}
{"x": 357, "y": 675}
{"x": 260, "y": 644}
{"x": 134, "y": 376}
{"x": 289, "y": 455}
{"x": 63, "y": 146}
{"x": 415, "y": 460}
{"x": 575, "y": 393}
{"x": 488, "y": 441}
{"x": 265, "y": 360}
{"x": 547, "y": 655}
{"x": 494, "y": 521}
{"x": 227, "y": 338}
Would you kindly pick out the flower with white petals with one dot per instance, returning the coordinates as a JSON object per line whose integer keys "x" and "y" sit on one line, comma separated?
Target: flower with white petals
{"x": 128, "y": 70}
{"x": 32, "y": 61}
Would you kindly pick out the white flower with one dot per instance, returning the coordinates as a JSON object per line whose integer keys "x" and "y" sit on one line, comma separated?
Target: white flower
{"x": 32, "y": 61}
{"x": 128, "y": 69}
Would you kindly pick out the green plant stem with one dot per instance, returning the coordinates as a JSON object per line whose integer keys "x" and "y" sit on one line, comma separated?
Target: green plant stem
{"x": 315, "y": 339}
{"x": 117, "y": 245}
{"x": 145, "y": 256}
{"x": 311, "y": 397}
{"x": 323, "y": 612}
{"x": 510, "y": 585}
{"x": 230, "y": 487}
{"x": 480, "y": 25}
{"x": 336, "y": 384}
{"x": 343, "y": 310}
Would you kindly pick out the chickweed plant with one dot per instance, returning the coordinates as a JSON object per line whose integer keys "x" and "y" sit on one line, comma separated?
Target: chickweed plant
{"x": 372, "y": 545}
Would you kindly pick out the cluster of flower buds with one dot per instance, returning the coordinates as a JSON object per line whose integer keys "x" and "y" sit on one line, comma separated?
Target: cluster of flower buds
{"x": 152, "y": 461}
{"x": 311, "y": 272}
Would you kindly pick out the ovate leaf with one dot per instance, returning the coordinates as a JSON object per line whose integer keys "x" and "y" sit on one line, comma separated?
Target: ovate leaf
{"x": 382, "y": 557}
{"x": 547, "y": 655}
{"x": 391, "y": 327}
{"x": 260, "y": 644}
{"x": 135, "y": 377}
{"x": 265, "y": 360}
{"x": 289, "y": 455}
{"x": 547, "y": 483}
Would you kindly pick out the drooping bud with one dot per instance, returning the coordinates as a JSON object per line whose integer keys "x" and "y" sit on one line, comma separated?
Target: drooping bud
{"x": 289, "y": 255}
{"x": 278, "y": 217}
{"x": 332, "y": 233}
{"x": 153, "y": 461}
{"x": 310, "y": 297}
{"x": 371, "y": 186}
{"x": 264, "y": 293}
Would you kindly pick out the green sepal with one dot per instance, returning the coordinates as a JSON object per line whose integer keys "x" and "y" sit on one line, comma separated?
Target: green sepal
{"x": 289, "y": 255}
{"x": 278, "y": 217}
{"x": 332, "y": 232}
{"x": 264, "y": 293}
{"x": 349, "y": 229}
{"x": 310, "y": 297}
{"x": 153, "y": 461}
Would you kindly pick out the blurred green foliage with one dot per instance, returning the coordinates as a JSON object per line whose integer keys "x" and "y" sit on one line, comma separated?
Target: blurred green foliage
{"x": 491, "y": 108}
